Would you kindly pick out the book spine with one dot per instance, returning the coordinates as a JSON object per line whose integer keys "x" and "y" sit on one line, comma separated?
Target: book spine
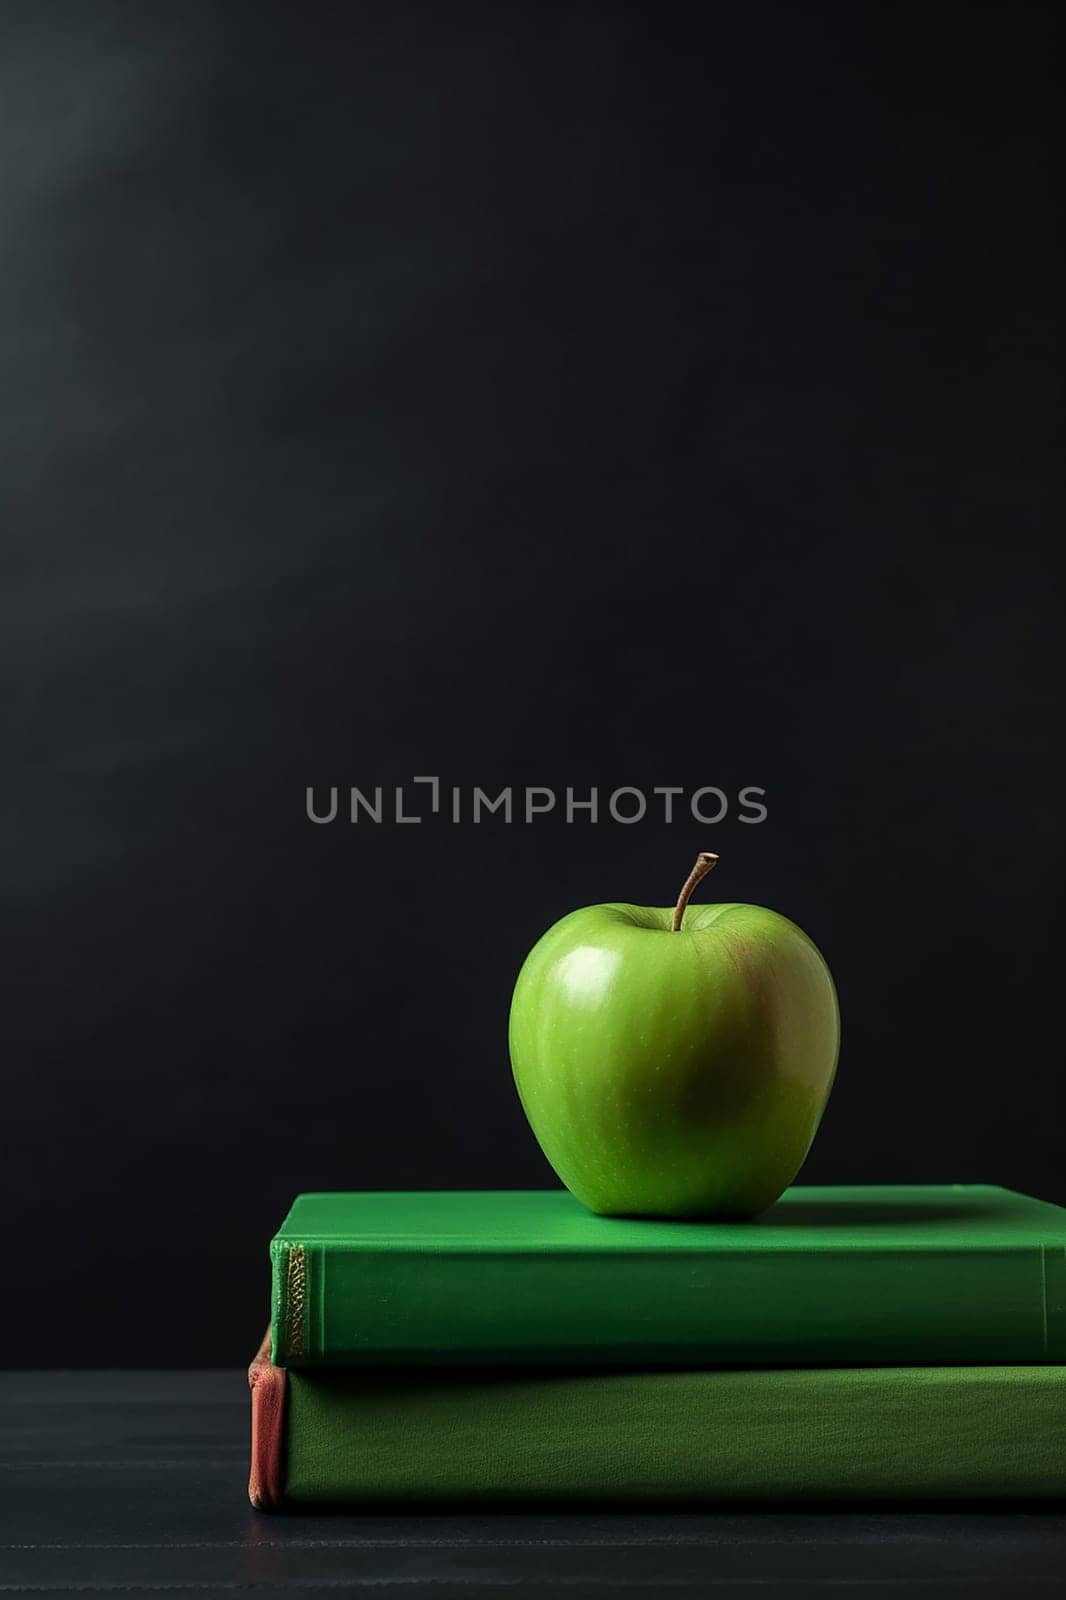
{"x": 268, "y": 1383}
{"x": 295, "y": 1298}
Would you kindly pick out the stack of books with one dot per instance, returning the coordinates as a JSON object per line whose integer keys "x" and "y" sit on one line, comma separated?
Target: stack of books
{"x": 851, "y": 1343}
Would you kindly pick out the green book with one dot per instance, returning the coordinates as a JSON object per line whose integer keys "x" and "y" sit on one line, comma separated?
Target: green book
{"x": 364, "y": 1436}
{"x": 828, "y": 1277}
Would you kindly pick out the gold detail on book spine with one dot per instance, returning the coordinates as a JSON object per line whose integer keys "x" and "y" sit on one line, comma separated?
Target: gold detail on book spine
{"x": 296, "y": 1277}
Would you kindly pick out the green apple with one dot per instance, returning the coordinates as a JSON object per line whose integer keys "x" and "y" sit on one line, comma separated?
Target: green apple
{"x": 675, "y": 1062}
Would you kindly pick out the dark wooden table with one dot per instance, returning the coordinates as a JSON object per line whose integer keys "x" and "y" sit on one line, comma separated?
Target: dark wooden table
{"x": 134, "y": 1483}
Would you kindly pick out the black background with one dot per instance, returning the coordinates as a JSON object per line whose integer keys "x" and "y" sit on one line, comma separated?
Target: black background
{"x": 525, "y": 395}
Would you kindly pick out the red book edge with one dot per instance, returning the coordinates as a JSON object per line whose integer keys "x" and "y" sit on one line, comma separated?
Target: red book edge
{"x": 267, "y": 1383}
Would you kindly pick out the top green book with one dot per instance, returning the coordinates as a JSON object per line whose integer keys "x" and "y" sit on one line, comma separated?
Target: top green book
{"x": 828, "y": 1277}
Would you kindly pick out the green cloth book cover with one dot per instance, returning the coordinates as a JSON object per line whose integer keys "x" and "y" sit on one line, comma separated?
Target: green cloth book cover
{"x": 508, "y": 1434}
{"x": 828, "y": 1276}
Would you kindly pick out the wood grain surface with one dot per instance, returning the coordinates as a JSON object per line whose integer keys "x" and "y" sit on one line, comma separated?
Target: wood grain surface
{"x": 135, "y": 1483}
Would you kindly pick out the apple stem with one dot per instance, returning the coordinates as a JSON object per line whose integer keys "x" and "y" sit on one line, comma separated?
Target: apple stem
{"x": 705, "y": 861}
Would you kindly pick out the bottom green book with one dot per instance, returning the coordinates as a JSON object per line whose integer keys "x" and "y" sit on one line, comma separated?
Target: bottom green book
{"x": 360, "y": 1436}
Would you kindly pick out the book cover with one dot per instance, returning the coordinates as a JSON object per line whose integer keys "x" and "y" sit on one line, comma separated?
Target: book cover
{"x": 829, "y": 1276}
{"x": 507, "y": 1434}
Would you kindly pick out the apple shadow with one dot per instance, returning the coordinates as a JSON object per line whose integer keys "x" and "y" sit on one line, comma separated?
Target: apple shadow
{"x": 886, "y": 1213}
{"x": 872, "y": 1213}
